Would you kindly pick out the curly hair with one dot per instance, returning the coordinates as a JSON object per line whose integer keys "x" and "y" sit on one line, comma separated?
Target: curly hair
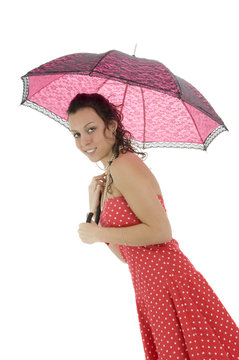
{"x": 108, "y": 112}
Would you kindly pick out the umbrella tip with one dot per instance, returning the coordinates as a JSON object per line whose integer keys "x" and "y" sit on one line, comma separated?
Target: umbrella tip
{"x": 135, "y": 49}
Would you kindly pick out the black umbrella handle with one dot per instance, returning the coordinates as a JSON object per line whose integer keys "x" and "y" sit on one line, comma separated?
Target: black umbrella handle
{"x": 98, "y": 211}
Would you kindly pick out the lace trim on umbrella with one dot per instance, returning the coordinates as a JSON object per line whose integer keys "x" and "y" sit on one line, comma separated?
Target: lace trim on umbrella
{"x": 25, "y": 88}
{"x": 203, "y": 146}
{"x": 47, "y": 112}
{"x": 214, "y": 134}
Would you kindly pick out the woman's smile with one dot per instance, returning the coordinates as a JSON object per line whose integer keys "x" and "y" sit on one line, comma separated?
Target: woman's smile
{"x": 91, "y": 152}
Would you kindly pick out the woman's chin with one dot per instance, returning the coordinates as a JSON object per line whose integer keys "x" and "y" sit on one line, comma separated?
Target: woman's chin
{"x": 93, "y": 159}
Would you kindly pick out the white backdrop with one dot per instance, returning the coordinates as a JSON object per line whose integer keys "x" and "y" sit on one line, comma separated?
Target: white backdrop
{"x": 62, "y": 298}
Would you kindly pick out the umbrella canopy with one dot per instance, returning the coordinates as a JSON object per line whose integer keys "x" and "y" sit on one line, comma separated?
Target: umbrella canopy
{"x": 159, "y": 108}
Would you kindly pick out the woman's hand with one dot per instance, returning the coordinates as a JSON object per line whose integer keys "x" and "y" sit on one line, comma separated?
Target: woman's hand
{"x": 95, "y": 188}
{"x": 88, "y": 232}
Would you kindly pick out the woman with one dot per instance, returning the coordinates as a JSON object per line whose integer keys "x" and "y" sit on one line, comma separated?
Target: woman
{"x": 179, "y": 314}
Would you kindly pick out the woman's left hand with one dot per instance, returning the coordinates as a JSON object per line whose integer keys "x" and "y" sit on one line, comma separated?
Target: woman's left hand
{"x": 88, "y": 232}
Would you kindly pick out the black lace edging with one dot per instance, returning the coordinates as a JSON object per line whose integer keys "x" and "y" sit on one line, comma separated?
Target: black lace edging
{"x": 37, "y": 107}
{"x": 203, "y": 146}
{"x": 47, "y": 112}
{"x": 25, "y": 88}
{"x": 214, "y": 134}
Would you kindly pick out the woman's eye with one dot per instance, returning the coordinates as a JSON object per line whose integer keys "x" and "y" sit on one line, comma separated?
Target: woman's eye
{"x": 78, "y": 133}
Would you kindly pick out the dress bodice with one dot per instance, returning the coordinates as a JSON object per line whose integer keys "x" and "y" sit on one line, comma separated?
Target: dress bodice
{"x": 117, "y": 212}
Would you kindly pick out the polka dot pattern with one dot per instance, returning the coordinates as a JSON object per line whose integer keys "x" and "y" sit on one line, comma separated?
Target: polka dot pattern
{"x": 180, "y": 316}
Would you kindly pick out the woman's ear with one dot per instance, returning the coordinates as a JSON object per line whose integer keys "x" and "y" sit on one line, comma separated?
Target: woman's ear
{"x": 113, "y": 125}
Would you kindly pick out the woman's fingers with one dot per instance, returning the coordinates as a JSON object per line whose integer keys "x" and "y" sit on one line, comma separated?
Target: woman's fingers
{"x": 97, "y": 176}
{"x": 97, "y": 180}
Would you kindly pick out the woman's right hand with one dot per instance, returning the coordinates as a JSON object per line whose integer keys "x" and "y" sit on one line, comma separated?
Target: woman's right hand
{"x": 96, "y": 188}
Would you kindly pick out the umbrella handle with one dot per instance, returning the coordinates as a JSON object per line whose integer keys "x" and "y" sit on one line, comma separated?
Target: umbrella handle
{"x": 98, "y": 211}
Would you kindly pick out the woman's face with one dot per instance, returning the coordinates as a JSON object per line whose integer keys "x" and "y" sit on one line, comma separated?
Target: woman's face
{"x": 87, "y": 128}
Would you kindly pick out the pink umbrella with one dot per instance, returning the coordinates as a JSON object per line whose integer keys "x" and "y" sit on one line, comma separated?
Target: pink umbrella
{"x": 160, "y": 109}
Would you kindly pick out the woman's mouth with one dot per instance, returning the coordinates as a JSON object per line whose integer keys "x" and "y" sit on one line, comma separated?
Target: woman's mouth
{"x": 92, "y": 151}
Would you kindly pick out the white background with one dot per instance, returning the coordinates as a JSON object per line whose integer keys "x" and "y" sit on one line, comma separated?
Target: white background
{"x": 62, "y": 298}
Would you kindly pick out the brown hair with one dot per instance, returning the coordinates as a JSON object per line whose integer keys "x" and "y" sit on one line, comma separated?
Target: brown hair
{"x": 108, "y": 112}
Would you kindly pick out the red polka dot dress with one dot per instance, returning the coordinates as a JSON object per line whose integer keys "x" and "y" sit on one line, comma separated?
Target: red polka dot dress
{"x": 180, "y": 316}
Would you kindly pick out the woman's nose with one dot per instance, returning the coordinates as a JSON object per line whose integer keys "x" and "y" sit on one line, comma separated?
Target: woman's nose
{"x": 85, "y": 142}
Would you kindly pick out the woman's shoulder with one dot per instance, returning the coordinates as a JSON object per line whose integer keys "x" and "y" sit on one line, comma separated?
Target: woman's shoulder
{"x": 128, "y": 159}
{"x": 127, "y": 156}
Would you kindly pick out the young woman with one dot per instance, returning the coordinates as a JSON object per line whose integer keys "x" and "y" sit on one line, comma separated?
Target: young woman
{"x": 179, "y": 314}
